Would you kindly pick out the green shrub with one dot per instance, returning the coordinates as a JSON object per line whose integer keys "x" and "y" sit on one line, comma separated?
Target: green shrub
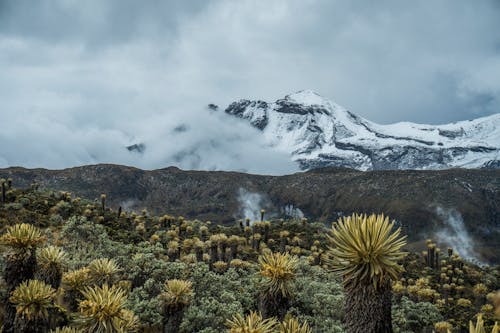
{"x": 411, "y": 317}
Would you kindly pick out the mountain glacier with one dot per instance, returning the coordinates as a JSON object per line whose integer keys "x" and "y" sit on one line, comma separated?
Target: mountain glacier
{"x": 317, "y": 133}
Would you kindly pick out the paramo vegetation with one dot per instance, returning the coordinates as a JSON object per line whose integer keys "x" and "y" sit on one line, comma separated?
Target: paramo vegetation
{"x": 74, "y": 265}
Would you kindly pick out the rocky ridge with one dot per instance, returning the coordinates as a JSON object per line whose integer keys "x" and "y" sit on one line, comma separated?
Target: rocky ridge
{"x": 319, "y": 133}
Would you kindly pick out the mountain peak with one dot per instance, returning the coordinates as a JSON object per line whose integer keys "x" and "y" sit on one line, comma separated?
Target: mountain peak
{"x": 319, "y": 133}
{"x": 306, "y": 97}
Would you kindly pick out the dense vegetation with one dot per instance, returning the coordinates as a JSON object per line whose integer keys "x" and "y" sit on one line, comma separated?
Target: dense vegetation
{"x": 69, "y": 262}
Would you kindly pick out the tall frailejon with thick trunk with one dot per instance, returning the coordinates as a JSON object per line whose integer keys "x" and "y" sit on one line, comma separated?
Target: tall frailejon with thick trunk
{"x": 103, "y": 309}
{"x": 176, "y": 296}
{"x": 278, "y": 273}
{"x": 33, "y": 300}
{"x": 20, "y": 264}
{"x": 374, "y": 303}
{"x": 50, "y": 265}
{"x": 365, "y": 251}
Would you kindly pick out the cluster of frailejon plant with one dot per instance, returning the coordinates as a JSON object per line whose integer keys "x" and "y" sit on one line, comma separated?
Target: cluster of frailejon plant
{"x": 76, "y": 265}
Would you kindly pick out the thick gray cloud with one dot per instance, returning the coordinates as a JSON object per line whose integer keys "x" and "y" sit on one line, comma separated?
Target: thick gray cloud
{"x": 80, "y": 78}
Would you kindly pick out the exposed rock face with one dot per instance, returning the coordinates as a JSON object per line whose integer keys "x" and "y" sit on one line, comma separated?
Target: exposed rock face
{"x": 319, "y": 133}
{"x": 253, "y": 111}
{"x": 494, "y": 164}
{"x": 137, "y": 148}
{"x": 411, "y": 197}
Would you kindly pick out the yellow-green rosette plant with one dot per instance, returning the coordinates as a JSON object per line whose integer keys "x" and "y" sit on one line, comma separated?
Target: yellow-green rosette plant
{"x": 365, "y": 251}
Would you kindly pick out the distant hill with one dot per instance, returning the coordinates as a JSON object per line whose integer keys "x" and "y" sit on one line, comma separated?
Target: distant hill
{"x": 428, "y": 204}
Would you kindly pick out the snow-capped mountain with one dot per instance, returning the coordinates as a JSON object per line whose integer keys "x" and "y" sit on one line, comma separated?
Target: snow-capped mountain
{"x": 318, "y": 133}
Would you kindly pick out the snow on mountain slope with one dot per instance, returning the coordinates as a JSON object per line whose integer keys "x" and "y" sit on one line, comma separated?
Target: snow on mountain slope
{"x": 318, "y": 133}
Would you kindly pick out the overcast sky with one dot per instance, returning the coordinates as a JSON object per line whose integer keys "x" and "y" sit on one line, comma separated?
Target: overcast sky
{"x": 80, "y": 78}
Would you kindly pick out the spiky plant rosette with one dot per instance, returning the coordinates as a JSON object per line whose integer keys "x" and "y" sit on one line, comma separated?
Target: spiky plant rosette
{"x": 366, "y": 249}
{"x": 22, "y": 238}
{"x": 278, "y": 271}
{"x": 51, "y": 257}
{"x": 103, "y": 270}
{"x": 292, "y": 325}
{"x": 253, "y": 323}
{"x": 33, "y": 299}
{"x": 479, "y": 326}
{"x": 76, "y": 280}
{"x": 176, "y": 294}
{"x": 103, "y": 310}
{"x": 130, "y": 322}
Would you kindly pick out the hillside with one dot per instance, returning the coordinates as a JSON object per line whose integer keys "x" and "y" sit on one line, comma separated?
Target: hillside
{"x": 427, "y": 204}
{"x": 83, "y": 264}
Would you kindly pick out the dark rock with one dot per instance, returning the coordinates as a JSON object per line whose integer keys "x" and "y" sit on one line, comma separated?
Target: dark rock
{"x": 137, "y": 148}
{"x": 213, "y": 107}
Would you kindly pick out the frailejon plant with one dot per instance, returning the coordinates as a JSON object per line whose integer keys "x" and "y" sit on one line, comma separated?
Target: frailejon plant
{"x": 283, "y": 240}
{"x": 365, "y": 251}
{"x": 51, "y": 261}
{"x": 174, "y": 250}
{"x": 103, "y": 311}
{"x": 175, "y": 298}
{"x": 103, "y": 271}
{"x": 22, "y": 238}
{"x": 233, "y": 242}
{"x": 479, "y": 326}
{"x": 74, "y": 282}
{"x": 292, "y": 325}
{"x": 253, "y": 323}
{"x": 278, "y": 272}
{"x": 2, "y": 183}
{"x": 442, "y": 327}
{"x": 103, "y": 202}
{"x": 21, "y": 241}
{"x": 32, "y": 300}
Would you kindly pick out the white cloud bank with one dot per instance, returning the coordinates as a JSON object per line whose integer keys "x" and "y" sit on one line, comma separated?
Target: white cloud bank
{"x": 80, "y": 81}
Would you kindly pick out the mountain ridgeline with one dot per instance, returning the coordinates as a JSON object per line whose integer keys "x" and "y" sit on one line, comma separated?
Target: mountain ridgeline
{"x": 458, "y": 206}
{"x": 319, "y": 133}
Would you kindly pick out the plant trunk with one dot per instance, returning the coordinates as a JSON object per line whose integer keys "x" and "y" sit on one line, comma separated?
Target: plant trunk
{"x": 368, "y": 310}
{"x": 37, "y": 325}
{"x": 233, "y": 251}
{"x": 283, "y": 242}
{"x": 9, "y": 316}
{"x": 72, "y": 299}
{"x": 199, "y": 254}
{"x": 222, "y": 256}
{"x": 273, "y": 305}
{"x": 172, "y": 322}
{"x": 213, "y": 254}
{"x": 18, "y": 268}
{"x": 51, "y": 276}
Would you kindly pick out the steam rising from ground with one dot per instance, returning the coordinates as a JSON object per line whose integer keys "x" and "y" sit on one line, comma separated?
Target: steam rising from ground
{"x": 455, "y": 235}
{"x": 128, "y": 205}
{"x": 292, "y": 211}
{"x": 251, "y": 203}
